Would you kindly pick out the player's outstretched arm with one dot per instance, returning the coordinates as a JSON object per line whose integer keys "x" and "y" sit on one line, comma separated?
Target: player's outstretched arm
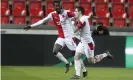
{"x": 49, "y": 17}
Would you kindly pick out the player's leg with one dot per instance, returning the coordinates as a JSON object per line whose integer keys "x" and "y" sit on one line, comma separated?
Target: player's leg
{"x": 58, "y": 54}
{"x": 59, "y": 44}
{"x": 77, "y": 63}
{"x": 90, "y": 54}
{"x": 57, "y": 50}
{"x": 84, "y": 71}
{"x": 71, "y": 44}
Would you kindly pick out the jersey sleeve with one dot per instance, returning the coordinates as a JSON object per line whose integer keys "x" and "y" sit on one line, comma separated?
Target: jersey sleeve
{"x": 48, "y": 18}
{"x": 81, "y": 23}
{"x": 70, "y": 14}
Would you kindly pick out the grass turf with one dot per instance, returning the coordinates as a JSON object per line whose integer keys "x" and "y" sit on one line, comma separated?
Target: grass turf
{"x": 57, "y": 73}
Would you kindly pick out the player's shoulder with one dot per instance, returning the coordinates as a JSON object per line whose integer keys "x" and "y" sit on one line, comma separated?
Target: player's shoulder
{"x": 83, "y": 18}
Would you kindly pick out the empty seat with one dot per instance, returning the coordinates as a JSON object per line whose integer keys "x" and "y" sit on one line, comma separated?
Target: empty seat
{"x": 118, "y": 11}
{"x": 49, "y": 7}
{"x": 85, "y": 1}
{"x": 130, "y": 1}
{"x": 69, "y": 6}
{"x": 118, "y": 1}
{"x": 4, "y": 4}
{"x": 101, "y": 1}
{"x": 19, "y": 12}
{"x": 119, "y": 22}
{"x": 87, "y": 7}
{"x": 101, "y": 6}
{"x": 18, "y": 4}
{"x": 4, "y": 20}
{"x": 35, "y": 4}
{"x": 34, "y": 19}
{"x": 68, "y": 0}
{"x": 36, "y": 12}
{"x": 102, "y": 10}
{"x": 5, "y": 11}
{"x": 105, "y": 21}
{"x": 49, "y": 0}
{"x": 19, "y": 20}
{"x": 131, "y": 11}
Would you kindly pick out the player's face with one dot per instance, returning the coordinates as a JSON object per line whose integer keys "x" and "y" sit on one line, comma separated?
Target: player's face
{"x": 76, "y": 13}
{"x": 57, "y": 7}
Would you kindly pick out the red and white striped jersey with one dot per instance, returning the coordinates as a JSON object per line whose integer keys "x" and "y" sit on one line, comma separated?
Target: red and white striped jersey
{"x": 62, "y": 21}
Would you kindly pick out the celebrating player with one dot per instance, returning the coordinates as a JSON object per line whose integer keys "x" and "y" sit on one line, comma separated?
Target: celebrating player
{"x": 61, "y": 18}
{"x": 86, "y": 46}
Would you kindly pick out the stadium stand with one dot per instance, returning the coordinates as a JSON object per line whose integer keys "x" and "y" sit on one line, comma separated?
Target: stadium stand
{"x": 119, "y": 13}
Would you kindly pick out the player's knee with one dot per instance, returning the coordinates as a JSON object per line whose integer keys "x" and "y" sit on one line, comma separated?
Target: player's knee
{"x": 55, "y": 52}
{"x": 77, "y": 57}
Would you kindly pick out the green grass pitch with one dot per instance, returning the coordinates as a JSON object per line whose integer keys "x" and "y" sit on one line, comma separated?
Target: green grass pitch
{"x": 57, "y": 73}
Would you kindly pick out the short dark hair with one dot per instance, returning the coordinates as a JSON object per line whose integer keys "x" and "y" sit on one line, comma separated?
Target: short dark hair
{"x": 80, "y": 8}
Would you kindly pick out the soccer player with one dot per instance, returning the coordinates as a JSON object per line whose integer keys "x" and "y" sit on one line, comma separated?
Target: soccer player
{"x": 61, "y": 18}
{"x": 86, "y": 46}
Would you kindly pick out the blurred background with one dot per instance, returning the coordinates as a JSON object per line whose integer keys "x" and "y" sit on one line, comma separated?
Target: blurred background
{"x": 21, "y": 49}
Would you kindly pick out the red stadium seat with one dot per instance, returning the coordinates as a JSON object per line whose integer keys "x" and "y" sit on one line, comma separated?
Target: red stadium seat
{"x": 69, "y": 6}
{"x": 87, "y": 7}
{"x": 49, "y": 0}
{"x": 4, "y": 4}
{"x": 36, "y": 12}
{"x": 5, "y": 11}
{"x": 101, "y": 1}
{"x": 18, "y": 4}
{"x": 102, "y": 10}
{"x": 68, "y": 0}
{"x": 4, "y": 20}
{"x": 101, "y": 5}
{"x": 105, "y": 21}
{"x": 119, "y": 22}
{"x": 49, "y": 7}
{"x": 118, "y": 11}
{"x": 19, "y": 12}
{"x": 19, "y": 20}
{"x": 130, "y": 1}
{"x": 34, "y": 19}
{"x": 118, "y": 1}
{"x": 35, "y": 4}
{"x": 131, "y": 11}
{"x": 85, "y": 1}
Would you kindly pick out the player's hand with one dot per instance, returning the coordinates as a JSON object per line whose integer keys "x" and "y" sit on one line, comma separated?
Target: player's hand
{"x": 27, "y": 27}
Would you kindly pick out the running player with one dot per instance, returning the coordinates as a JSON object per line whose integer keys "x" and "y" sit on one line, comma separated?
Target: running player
{"x": 86, "y": 46}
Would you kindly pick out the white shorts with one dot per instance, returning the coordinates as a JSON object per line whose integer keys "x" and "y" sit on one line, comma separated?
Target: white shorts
{"x": 69, "y": 42}
{"x": 86, "y": 49}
